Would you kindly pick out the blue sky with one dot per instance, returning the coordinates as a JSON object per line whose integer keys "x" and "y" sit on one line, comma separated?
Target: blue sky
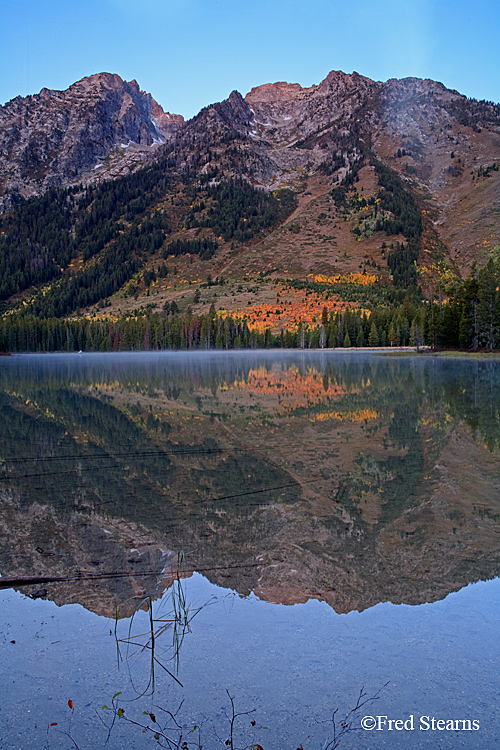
{"x": 190, "y": 53}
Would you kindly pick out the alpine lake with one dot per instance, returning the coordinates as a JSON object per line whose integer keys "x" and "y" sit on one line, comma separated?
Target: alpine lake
{"x": 258, "y": 549}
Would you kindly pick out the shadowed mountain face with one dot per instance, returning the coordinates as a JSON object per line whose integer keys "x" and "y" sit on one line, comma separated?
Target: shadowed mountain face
{"x": 352, "y": 480}
{"x": 49, "y": 139}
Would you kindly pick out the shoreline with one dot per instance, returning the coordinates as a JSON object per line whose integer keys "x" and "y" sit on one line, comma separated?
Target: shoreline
{"x": 383, "y": 350}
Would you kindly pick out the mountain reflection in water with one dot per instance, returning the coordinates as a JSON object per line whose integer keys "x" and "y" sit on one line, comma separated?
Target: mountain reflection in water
{"x": 348, "y": 478}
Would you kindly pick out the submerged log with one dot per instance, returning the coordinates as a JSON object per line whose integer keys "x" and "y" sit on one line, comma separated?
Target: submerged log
{"x": 12, "y": 581}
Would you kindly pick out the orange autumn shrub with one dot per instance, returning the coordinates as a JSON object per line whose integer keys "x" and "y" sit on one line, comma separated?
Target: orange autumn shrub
{"x": 290, "y": 388}
{"x": 293, "y": 307}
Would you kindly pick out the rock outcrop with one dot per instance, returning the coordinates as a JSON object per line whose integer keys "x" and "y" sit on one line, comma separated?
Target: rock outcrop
{"x": 53, "y": 137}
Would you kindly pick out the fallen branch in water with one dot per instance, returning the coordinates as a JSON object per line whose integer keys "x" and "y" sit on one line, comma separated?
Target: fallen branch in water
{"x": 7, "y": 583}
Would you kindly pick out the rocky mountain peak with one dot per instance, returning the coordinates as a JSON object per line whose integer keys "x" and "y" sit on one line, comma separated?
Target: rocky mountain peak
{"x": 54, "y": 137}
{"x": 337, "y": 81}
{"x": 108, "y": 80}
{"x": 276, "y": 92}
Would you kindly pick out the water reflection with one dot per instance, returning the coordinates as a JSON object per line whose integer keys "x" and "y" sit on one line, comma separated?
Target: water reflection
{"x": 348, "y": 478}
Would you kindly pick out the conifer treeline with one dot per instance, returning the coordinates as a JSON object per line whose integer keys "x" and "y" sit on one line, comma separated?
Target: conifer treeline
{"x": 470, "y": 319}
{"x": 162, "y": 331}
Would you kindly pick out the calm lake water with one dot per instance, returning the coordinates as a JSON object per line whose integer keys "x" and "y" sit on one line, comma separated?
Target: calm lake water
{"x": 292, "y": 528}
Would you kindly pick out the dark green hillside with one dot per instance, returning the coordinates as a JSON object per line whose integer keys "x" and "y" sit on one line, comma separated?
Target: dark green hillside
{"x": 88, "y": 242}
{"x": 405, "y": 218}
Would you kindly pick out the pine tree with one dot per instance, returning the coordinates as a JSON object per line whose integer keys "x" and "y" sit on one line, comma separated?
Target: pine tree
{"x": 488, "y": 305}
{"x": 373, "y": 338}
{"x": 469, "y": 322}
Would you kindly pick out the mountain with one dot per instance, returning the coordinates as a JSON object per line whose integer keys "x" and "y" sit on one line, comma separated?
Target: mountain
{"x": 436, "y": 140}
{"x": 49, "y": 139}
{"x": 348, "y": 190}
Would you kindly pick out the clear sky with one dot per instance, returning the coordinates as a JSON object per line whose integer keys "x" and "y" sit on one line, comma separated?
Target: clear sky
{"x": 190, "y": 53}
